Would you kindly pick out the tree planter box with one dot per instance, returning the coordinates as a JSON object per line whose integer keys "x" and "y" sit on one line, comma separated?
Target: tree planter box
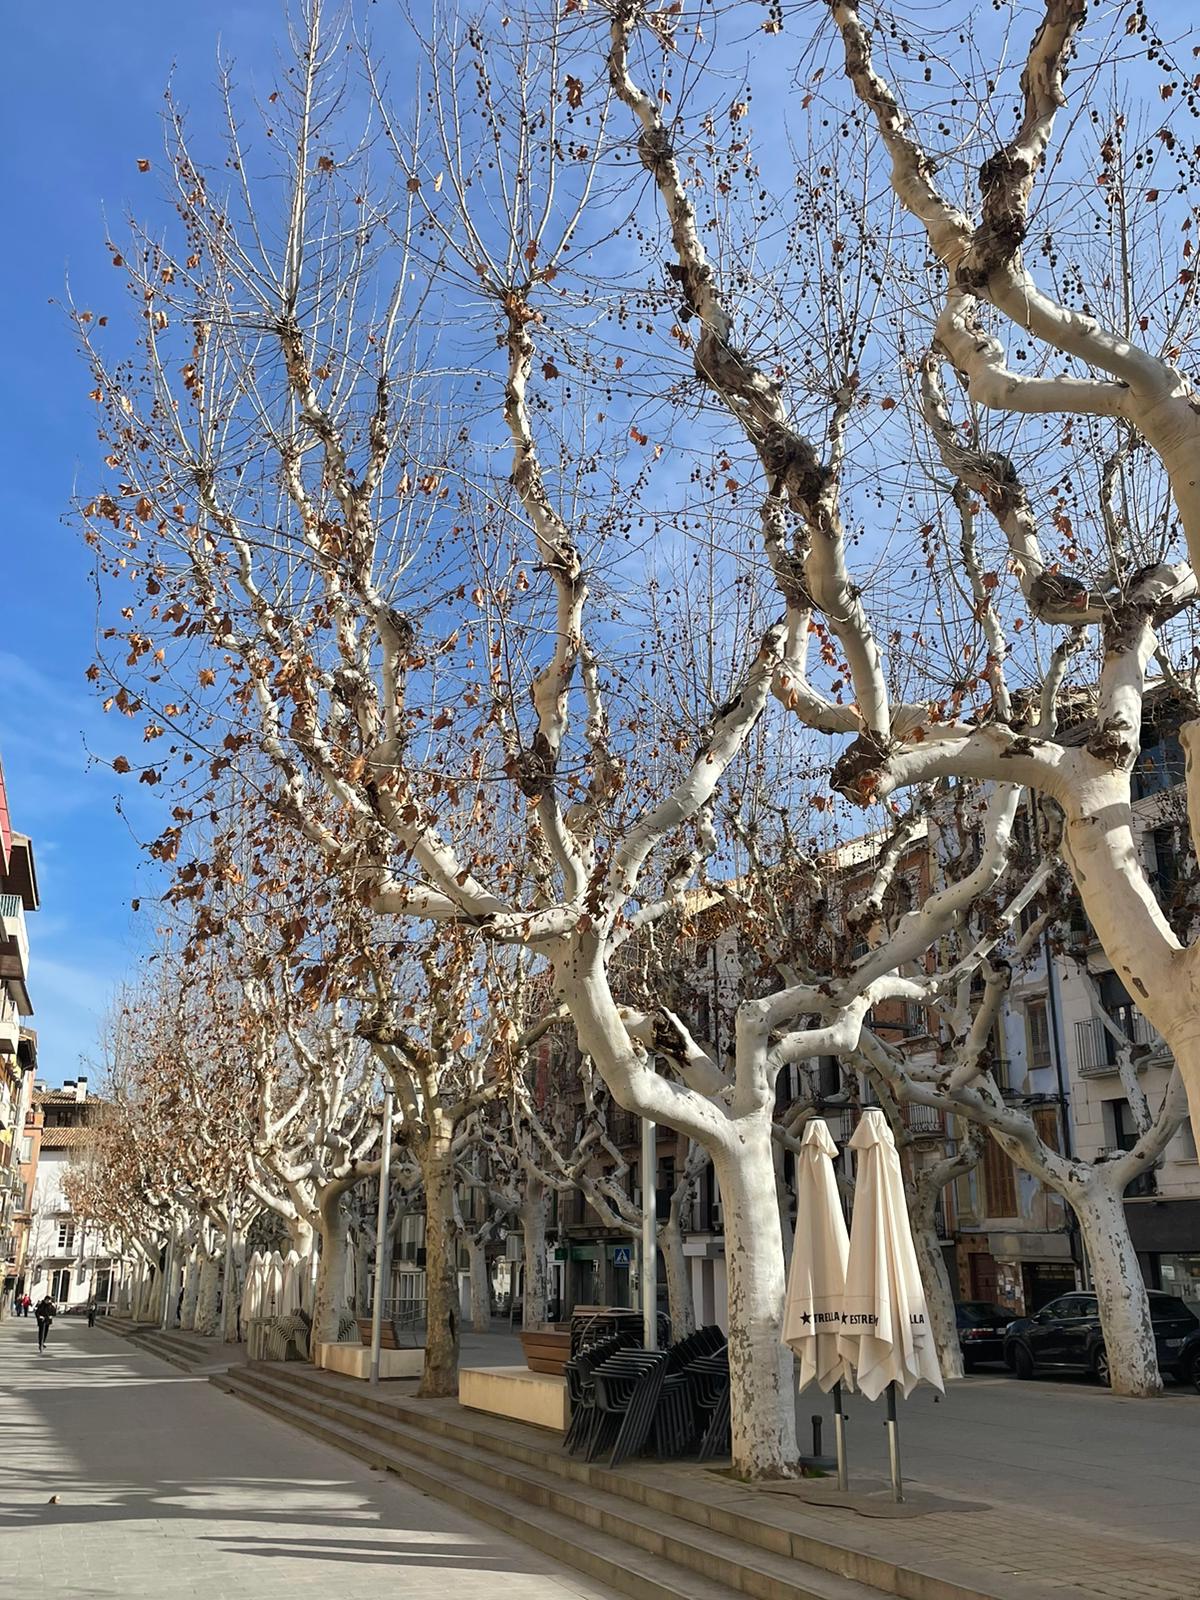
{"x": 354, "y": 1361}
{"x": 547, "y": 1349}
{"x": 536, "y": 1397}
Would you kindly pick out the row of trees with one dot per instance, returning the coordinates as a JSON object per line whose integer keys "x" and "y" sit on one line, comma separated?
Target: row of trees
{"x": 539, "y": 508}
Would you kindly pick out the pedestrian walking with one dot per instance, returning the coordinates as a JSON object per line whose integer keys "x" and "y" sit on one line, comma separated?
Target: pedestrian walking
{"x": 91, "y": 1312}
{"x": 25, "y": 1304}
{"x": 45, "y": 1312}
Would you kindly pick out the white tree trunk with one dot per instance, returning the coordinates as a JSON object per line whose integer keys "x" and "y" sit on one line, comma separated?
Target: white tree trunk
{"x": 191, "y": 1291}
{"x": 535, "y": 1209}
{"x": 231, "y": 1292}
{"x": 481, "y": 1288}
{"x": 440, "y": 1377}
{"x": 760, "y": 1365}
{"x": 331, "y": 1269}
{"x": 206, "y": 1320}
{"x": 1120, "y": 1288}
{"x": 302, "y": 1234}
{"x": 935, "y": 1279}
{"x": 362, "y": 1270}
{"x": 680, "y": 1300}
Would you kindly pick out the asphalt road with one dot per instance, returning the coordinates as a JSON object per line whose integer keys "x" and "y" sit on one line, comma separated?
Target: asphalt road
{"x": 1063, "y": 1446}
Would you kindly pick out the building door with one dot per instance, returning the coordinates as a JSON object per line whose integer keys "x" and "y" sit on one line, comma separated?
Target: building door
{"x": 103, "y": 1286}
{"x": 984, "y": 1277}
{"x": 60, "y": 1283}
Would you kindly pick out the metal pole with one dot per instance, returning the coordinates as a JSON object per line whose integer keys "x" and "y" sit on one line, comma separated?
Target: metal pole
{"x": 893, "y": 1432}
{"x": 649, "y": 1235}
{"x": 839, "y": 1439}
{"x": 385, "y": 1167}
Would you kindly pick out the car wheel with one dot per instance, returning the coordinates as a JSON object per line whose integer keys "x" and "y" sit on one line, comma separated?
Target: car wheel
{"x": 1194, "y": 1372}
{"x": 1022, "y": 1361}
{"x": 1100, "y": 1368}
{"x": 970, "y": 1364}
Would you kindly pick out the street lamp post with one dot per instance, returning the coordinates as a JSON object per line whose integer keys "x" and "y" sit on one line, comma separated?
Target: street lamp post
{"x": 649, "y": 1234}
{"x": 381, "y": 1217}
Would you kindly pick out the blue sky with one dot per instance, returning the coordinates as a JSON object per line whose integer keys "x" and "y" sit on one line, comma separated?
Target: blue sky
{"x": 81, "y": 108}
{"x": 82, "y": 104}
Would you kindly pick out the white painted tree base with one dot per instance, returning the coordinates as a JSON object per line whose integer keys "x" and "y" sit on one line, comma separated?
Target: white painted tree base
{"x": 354, "y": 1361}
{"x": 536, "y": 1397}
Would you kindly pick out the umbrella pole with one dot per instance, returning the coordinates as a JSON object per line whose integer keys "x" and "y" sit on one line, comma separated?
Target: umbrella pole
{"x": 893, "y": 1433}
{"x": 839, "y": 1437}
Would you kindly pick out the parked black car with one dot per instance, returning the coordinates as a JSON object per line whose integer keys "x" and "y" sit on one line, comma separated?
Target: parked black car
{"x": 1187, "y": 1363}
{"x": 1065, "y": 1336}
{"x": 981, "y": 1327}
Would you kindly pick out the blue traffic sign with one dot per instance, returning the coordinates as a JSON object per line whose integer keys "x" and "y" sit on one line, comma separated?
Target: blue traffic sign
{"x": 622, "y": 1255}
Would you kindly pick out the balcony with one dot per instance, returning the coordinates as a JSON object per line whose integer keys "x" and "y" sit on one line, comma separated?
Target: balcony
{"x": 1096, "y": 1049}
{"x": 925, "y": 1122}
{"x": 14, "y": 949}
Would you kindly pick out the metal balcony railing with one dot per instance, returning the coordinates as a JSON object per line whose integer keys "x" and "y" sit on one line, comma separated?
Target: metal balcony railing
{"x": 1095, "y": 1047}
{"x": 925, "y": 1122}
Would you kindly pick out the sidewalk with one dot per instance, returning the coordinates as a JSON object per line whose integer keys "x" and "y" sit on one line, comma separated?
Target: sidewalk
{"x": 167, "y": 1488}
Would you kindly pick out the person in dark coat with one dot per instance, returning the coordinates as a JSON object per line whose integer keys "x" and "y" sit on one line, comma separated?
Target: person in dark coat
{"x": 45, "y": 1311}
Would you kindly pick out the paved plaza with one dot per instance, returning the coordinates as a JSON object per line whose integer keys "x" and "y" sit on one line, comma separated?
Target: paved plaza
{"x": 167, "y": 1488}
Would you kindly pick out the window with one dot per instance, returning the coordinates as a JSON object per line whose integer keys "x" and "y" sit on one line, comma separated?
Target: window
{"x": 1121, "y": 1132}
{"x": 60, "y": 1284}
{"x": 1159, "y": 764}
{"x": 66, "y": 1236}
{"x": 999, "y": 1184}
{"x": 26, "y": 1148}
{"x": 1045, "y": 1120}
{"x": 1187, "y": 1143}
{"x": 1037, "y": 1034}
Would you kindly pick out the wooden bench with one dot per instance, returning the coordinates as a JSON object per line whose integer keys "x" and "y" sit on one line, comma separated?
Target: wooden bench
{"x": 547, "y": 1349}
{"x": 388, "y": 1339}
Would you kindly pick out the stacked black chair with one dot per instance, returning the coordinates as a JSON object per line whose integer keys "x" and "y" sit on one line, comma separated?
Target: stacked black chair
{"x": 709, "y": 1380}
{"x": 627, "y": 1388}
{"x": 581, "y": 1391}
{"x": 676, "y": 1422}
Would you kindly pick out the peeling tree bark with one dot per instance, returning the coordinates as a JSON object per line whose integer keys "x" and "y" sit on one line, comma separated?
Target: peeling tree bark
{"x": 440, "y": 1377}
{"x": 760, "y": 1365}
{"x": 535, "y": 1209}
{"x": 1120, "y": 1288}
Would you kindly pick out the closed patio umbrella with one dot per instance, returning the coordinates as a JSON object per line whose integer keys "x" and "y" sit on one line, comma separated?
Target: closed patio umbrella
{"x": 252, "y": 1290}
{"x": 272, "y": 1284}
{"x": 812, "y": 1313}
{"x": 291, "y": 1293}
{"x": 885, "y": 1331}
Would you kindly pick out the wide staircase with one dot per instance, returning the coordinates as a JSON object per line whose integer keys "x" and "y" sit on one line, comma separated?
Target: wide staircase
{"x": 188, "y": 1352}
{"x": 655, "y": 1531}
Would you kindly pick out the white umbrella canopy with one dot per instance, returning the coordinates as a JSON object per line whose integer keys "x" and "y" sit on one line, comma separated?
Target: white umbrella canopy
{"x": 291, "y": 1292}
{"x": 272, "y": 1284}
{"x": 252, "y": 1289}
{"x": 812, "y": 1313}
{"x": 885, "y": 1332}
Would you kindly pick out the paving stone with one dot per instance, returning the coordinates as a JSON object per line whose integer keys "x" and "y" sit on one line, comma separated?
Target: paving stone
{"x": 168, "y": 1488}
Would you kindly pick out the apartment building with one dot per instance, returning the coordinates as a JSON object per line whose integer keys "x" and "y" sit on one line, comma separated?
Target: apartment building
{"x": 18, "y": 1044}
{"x": 68, "y": 1257}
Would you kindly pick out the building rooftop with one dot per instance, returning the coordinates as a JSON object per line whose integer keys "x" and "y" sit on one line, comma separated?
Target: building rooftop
{"x": 69, "y": 1138}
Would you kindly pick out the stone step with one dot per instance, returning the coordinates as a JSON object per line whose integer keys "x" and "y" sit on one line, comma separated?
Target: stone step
{"x": 631, "y": 1571}
{"x": 700, "y": 1552}
{"x": 699, "y": 1497}
{"x": 177, "y": 1349}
